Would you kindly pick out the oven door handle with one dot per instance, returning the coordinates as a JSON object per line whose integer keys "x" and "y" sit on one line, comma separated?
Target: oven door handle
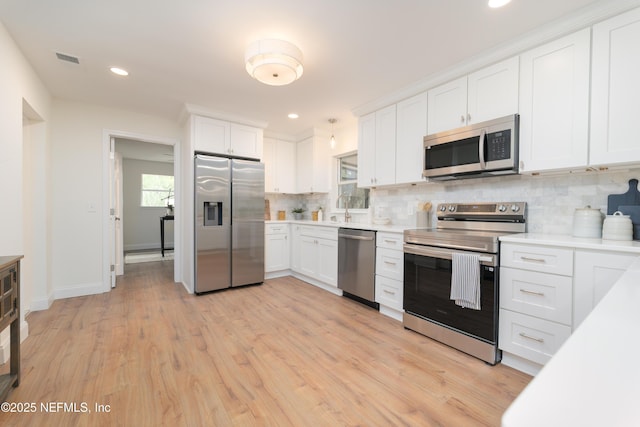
{"x": 428, "y": 251}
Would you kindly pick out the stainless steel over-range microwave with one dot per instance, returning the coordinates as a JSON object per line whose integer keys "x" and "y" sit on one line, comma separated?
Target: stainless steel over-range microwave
{"x": 481, "y": 149}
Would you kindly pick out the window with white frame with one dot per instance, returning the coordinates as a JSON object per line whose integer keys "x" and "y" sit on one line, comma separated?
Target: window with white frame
{"x": 157, "y": 191}
{"x": 348, "y": 191}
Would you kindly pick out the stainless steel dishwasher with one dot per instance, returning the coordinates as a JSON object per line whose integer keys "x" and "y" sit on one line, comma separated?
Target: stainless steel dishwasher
{"x": 357, "y": 265}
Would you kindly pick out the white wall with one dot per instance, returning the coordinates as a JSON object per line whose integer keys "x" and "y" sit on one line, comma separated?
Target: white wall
{"x": 141, "y": 225}
{"x": 77, "y": 183}
{"x": 20, "y": 90}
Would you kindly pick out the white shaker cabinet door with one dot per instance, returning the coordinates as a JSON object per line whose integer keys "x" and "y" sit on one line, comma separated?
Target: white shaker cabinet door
{"x": 595, "y": 274}
{"x": 493, "y": 91}
{"x": 366, "y": 150}
{"x": 245, "y": 141}
{"x": 447, "y": 106}
{"x": 554, "y": 105}
{"x": 615, "y": 91}
{"x": 211, "y": 135}
{"x": 411, "y": 123}
{"x": 385, "y": 157}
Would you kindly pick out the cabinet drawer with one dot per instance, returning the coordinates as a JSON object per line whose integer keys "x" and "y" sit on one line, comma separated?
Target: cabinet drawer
{"x": 537, "y": 258}
{"x": 543, "y": 295}
{"x": 389, "y": 263}
{"x": 330, "y": 233}
{"x": 276, "y": 229}
{"x": 529, "y": 337}
{"x": 389, "y": 292}
{"x": 389, "y": 240}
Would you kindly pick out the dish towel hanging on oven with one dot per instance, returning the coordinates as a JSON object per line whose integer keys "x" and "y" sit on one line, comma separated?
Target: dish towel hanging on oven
{"x": 465, "y": 280}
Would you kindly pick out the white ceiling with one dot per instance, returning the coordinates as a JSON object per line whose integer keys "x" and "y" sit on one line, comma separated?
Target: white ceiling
{"x": 177, "y": 52}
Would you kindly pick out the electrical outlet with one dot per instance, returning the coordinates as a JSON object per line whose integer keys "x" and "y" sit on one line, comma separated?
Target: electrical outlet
{"x": 91, "y": 207}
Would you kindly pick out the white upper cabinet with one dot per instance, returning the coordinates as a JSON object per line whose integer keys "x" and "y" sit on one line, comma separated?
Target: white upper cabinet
{"x": 279, "y": 159}
{"x": 313, "y": 166}
{"x": 245, "y": 141}
{"x": 366, "y": 149}
{"x": 483, "y": 95}
{"x": 377, "y": 148}
{"x": 447, "y": 106}
{"x": 554, "y": 105}
{"x": 411, "y": 123}
{"x": 385, "y": 170}
{"x": 615, "y": 91}
{"x": 221, "y": 137}
{"x": 211, "y": 135}
{"x": 493, "y": 91}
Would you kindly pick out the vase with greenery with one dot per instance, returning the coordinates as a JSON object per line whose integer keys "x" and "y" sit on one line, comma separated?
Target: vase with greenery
{"x": 297, "y": 212}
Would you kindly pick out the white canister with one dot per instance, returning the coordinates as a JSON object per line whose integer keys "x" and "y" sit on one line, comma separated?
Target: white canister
{"x": 587, "y": 222}
{"x": 617, "y": 227}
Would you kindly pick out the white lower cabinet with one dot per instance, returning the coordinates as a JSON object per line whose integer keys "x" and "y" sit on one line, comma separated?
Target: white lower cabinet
{"x": 596, "y": 273}
{"x": 276, "y": 249}
{"x": 315, "y": 255}
{"x": 536, "y": 297}
{"x": 545, "y": 294}
{"x": 530, "y": 337}
{"x": 389, "y": 274}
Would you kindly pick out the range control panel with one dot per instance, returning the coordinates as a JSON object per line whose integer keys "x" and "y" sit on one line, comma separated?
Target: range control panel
{"x": 485, "y": 211}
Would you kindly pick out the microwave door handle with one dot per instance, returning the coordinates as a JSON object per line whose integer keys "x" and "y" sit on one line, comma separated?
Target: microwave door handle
{"x": 483, "y": 164}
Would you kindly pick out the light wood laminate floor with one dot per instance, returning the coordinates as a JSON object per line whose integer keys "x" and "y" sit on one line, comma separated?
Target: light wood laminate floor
{"x": 280, "y": 354}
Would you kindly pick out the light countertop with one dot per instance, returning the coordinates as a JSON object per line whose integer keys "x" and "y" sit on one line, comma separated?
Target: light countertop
{"x": 593, "y": 380}
{"x": 390, "y": 228}
{"x": 568, "y": 241}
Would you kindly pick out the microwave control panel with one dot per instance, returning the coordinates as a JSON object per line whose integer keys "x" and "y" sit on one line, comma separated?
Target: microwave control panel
{"x": 498, "y": 145}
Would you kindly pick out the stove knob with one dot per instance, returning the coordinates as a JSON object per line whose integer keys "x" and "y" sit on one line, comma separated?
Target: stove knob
{"x": 502, "y": 208}
{"x": 515, "y": 208}
{"x": 452, "y": 208}
{"x": 443, "y": 208}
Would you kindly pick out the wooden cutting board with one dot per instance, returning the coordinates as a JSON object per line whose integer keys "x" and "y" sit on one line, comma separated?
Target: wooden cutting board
{"x": 630, "y": 198}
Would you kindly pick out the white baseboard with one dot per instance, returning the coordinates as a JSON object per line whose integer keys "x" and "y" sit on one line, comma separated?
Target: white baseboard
{"x": 5, "y": 341}
{"x": 42, "y": 304}
{"x": 334, "y": 290}
{"x": 276, "y": 274}
{"x": 391, "y": 312}
{"x": 521, "y": 364}
{"x": 79, "y": 291}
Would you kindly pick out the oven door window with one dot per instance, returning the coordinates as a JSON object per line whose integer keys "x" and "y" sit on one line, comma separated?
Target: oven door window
{"x": 427, "y": 290}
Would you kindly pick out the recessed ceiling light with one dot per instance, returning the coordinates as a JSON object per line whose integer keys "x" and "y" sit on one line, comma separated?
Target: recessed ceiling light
{"x": 498, "y": 3}
{"x": 293, "y": 115}
{"x": 119, "y": 71}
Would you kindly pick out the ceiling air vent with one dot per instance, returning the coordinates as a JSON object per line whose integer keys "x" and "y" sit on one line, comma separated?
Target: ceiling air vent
{"x": 68, "y": 58}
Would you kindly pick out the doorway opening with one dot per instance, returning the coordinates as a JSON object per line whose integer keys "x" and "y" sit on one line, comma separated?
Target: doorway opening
{"x": 143, "y": 191}
{"x": 148, "y": 198}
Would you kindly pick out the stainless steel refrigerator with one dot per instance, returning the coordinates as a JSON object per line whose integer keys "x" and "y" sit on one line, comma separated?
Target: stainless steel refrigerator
{"x": 229, "y": 223}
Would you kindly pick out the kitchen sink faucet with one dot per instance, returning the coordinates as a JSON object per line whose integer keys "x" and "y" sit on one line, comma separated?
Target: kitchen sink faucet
{"x": 347, "y": 197}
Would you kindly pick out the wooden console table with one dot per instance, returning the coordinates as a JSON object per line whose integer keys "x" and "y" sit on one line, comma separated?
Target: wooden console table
{"x": 10, "y": 316}
{"x": 162, "y": 220}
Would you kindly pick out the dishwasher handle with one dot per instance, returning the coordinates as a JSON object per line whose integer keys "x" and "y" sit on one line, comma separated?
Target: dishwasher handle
{"x": 352, "y": 237}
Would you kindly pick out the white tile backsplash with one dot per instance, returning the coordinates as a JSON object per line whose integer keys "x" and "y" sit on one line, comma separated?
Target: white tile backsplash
{"x": 551, "y": 199}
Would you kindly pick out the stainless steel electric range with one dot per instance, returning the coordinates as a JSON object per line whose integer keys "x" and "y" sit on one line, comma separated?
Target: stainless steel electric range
{"x": 469, "y": 228}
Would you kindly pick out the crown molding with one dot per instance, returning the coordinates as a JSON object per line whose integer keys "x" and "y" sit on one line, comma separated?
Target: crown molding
{"x": 197, "y": 110}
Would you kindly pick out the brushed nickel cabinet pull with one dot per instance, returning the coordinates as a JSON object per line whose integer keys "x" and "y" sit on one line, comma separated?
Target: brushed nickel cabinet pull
{"x": 529, "y": 337}
{"x": 525, "y": 291}
{"x": 524, "y": 258}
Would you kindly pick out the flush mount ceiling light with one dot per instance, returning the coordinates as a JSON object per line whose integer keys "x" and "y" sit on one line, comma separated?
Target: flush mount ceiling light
{"x": 333, "y": 138}
{"x": 498, "y": 3}
{"x": 273, "y": 62}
